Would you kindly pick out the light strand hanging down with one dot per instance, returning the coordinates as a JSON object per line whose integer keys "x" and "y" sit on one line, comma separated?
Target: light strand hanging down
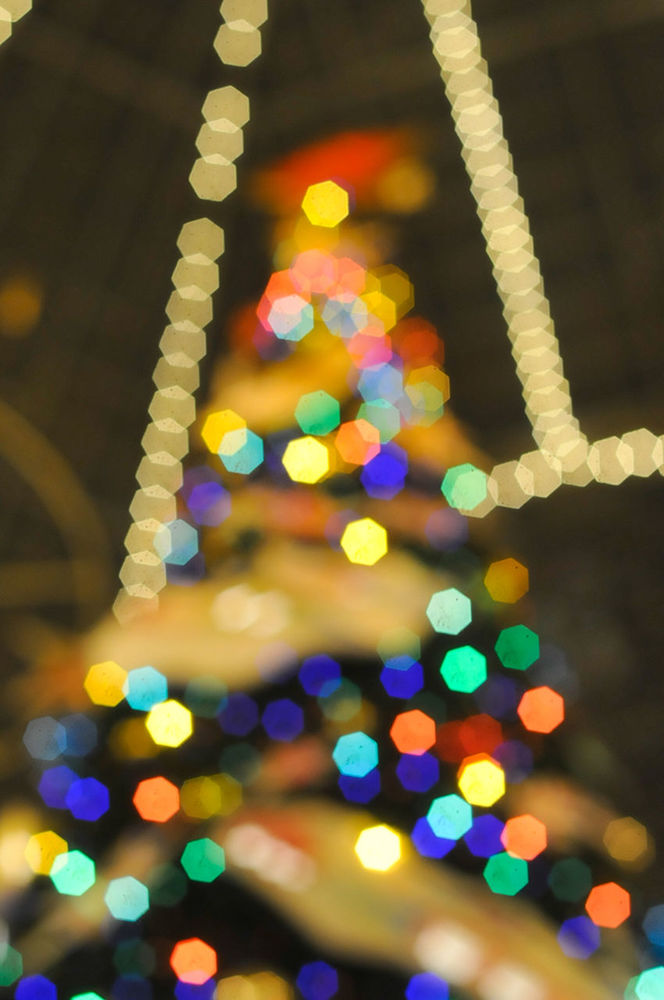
{"x": 195, "y": 277}
{"x": 563, "y": 454}
{"x": 505, "y": 225}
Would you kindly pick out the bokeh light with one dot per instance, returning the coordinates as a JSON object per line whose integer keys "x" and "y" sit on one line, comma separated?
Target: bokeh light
{"x": 524, "y": 837}
{"x": 463, "y": 669}
{"x": 541, "y": 709}
{"x": 507, "y": 581}
{"x": 193, "y": 961}
{"x": 72, "y": 873}
{"x": 506, "y": 875}
{"x": 481, "y": 780}
{"x": 355, "y": 754}
{"x": 608, "y": 905}
{"x": 156, "y": 799}
{"x": 378, "y": 848}
{"x": 413, "y": 732}
{"x": 203, "y": 860}
{"x": 104, "y": 683}
{"x": 449, "y": 816}
{"x": 169, "y": 723}
{"x": 364, "y": 541}
{"x": 449, "y": 611}
{"x": 317, "y": 981}
{"x": 127, "y": 898}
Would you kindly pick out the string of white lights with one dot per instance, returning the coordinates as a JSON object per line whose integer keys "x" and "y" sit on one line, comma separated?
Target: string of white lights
{"x": 505, "y": 225}
{"x": 189, "y": 309}
{"x": 10, "y": 12}
{"x": 563, "y": 455}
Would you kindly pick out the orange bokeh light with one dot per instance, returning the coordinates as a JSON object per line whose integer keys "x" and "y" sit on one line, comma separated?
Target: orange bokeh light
{"x": 507, "y": 581}
{"x": 480, "y": 734}
{"x": 418, "y": 342}
{"x": 524, "y": 837}
{"x": 541, "y": 709}
{"x": 474, "y": 735}
{"x": 193, "y": 961}
{"x": 608, "y": 905}
{"x": 357, "y": 441}
{"x": 279, "y": 286}
{"x": 156, "y": 799}
{"x": 370, "y": 346}
{"x": 413, "y": 732}
{"x": 351, "y": 277}
{"x": 359, "y": 156}
{"x": 314, "y": 272}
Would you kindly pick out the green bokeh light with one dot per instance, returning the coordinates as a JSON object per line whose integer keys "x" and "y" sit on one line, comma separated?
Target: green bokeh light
{"x": 317, "y": 412}
{"x": 464, "y": 486}
{"x": 463, "y": 669}
{"x": 517, "y": 647}
{"x": 203, "y": 860}
{"x": 73, "y": 873}
{"x": 506, "y": 875}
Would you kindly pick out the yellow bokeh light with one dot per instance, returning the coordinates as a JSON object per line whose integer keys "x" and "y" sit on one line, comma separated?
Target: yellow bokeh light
{"x": 231, "y": 793}
{"x": 507, "y": 581}
{"x": 220, "y": 423}
{"x": 396, "y": 285}
{"x": 200, "y": 798}
{"x": 405, "y": 187}
{"x": 306, "y": 236}
{"x": 434, "y": 376}
{"x": 42, "y": 849}
{"x": 257, "y": 986}
{"x": 104, "y": 683}
{"x": 381, "y": 305}
{"x": 210, "y": 795}
{"x": 627, "y": 841}
{"x": 20, "y": 305}
{"x": 169, "y": 723}
{"x": 325, "y": 204}
{"x": 378, "y": 848}
{"x": 481, "y": 780}
{"x": 364, "y": 541}
{"x": 306, "y": 460}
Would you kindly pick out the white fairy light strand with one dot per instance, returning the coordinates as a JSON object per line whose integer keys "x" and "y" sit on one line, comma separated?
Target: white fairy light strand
{"x": 504, "y": 224}
{"x": 563, "y": 454}
{"x": 10, "y": 12}
{"x": 195, "y": 278}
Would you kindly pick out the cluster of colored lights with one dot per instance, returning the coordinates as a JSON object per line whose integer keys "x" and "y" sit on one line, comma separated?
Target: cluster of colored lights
{"x": 362, "y": 308}
{"x": 327, "y": 290}
{"x": 72, "y": 872}
{"x": 505, "y": 848}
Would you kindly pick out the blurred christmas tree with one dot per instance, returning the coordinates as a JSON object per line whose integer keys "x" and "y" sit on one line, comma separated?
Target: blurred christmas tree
{"x": 335, "y": 773}
{"x": 321, "y": 762}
